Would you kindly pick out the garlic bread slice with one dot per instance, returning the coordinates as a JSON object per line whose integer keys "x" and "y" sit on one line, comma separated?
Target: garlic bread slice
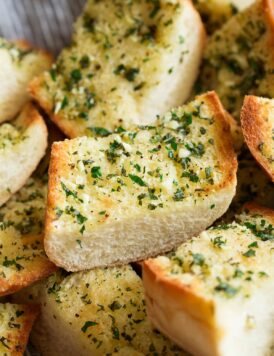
{"x": 129, "y": 61}
{"x": 23, "y": 143}
{"x": 22, "y": 258}
{"x": 20, "y": 63}
{"x": 239, "y": 58}
{"x": 135, "y": 194}
{"x": 99, "y": 312}
{"x": 16, "y": 324}
{"x": 257, "y": 119}
{"x": 216, "y": 12}
{"x": 218, "y": 286}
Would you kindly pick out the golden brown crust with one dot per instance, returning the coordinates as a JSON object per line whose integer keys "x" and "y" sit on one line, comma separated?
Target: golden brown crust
{"x": 41, "y": 269}
{"x": 32, "y": 116}
{"x": 19, "y": 339}
{"x": 179, "y": 299}
{"x": 268, "y": 6}
{"x": 256, "y": 130}
{"x": 184, "y": 295}
{"x": 228, "y": 161}
{"x": 59, "y": 158}
{"x": 34, "y": 91}
{"x": 24, "y": 44}
{"x": 255, "y": 208}
{"x": 168, "y": 294}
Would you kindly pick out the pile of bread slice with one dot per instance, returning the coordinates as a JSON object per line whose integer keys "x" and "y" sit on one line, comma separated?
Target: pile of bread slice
{"x": 136, "y": 183}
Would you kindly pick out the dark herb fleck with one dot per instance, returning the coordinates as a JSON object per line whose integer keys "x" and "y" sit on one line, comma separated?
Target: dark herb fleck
{"x": 87, "y": 325}
{"x": 137, "y": 180}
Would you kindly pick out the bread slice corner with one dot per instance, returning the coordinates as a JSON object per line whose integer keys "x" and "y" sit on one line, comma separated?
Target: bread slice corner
{"x": 218, "y": 287}
{"x": 20, "y": 63}
{"x": 23, "y": 143}
{"x": 257, "y": 120}
{"x": 22, "y": 259}
{"x": 16, "y": 325}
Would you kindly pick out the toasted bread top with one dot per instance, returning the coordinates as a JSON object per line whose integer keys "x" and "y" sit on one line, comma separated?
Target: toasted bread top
{"x": 22, "y": 258}
{"x": 104, "y": 310}
{"x": 225, "y": 262}
{"x": 239, "y": 58}
{"x": 20, "y": 63}
{"x": 16, "y": 323}
{"x": 187, "y": 156}
{"x": 124, "y": 57}
{"x": 257, "y": 119}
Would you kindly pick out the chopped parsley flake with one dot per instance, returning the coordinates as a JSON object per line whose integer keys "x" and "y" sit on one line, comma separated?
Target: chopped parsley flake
{"x": 226, "y": 288}
{"x": 87, "y": 325}
{"x": 137, "y": 180}
{"x": 100, "y": 131}
{"x": 249, "y": 253}
{"x": 178, "y": 195}
{"x": 96, "y": 172}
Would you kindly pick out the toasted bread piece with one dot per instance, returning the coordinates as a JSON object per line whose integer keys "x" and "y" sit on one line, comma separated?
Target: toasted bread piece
{"x": 99, "y": 312}
{"x": 131, "y": 195}
{"x": 128, "y": 62}
{"x": 219, "y": 287}
{"x": 16, "y": 324}
{"x": 20, "y": 63}
{"x": 23, "y": 143}
{"x": 252, "y": 183}
{"x": 236, "y": 133}
{"x": 257, "y": 119}
{"x": 22, "y": 258}
{"x": 216, "y": 12}
{"x": 239, "y": 58}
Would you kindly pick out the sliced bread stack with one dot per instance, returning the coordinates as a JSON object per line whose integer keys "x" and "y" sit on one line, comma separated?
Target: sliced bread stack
{"x": 143, "y": 176}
